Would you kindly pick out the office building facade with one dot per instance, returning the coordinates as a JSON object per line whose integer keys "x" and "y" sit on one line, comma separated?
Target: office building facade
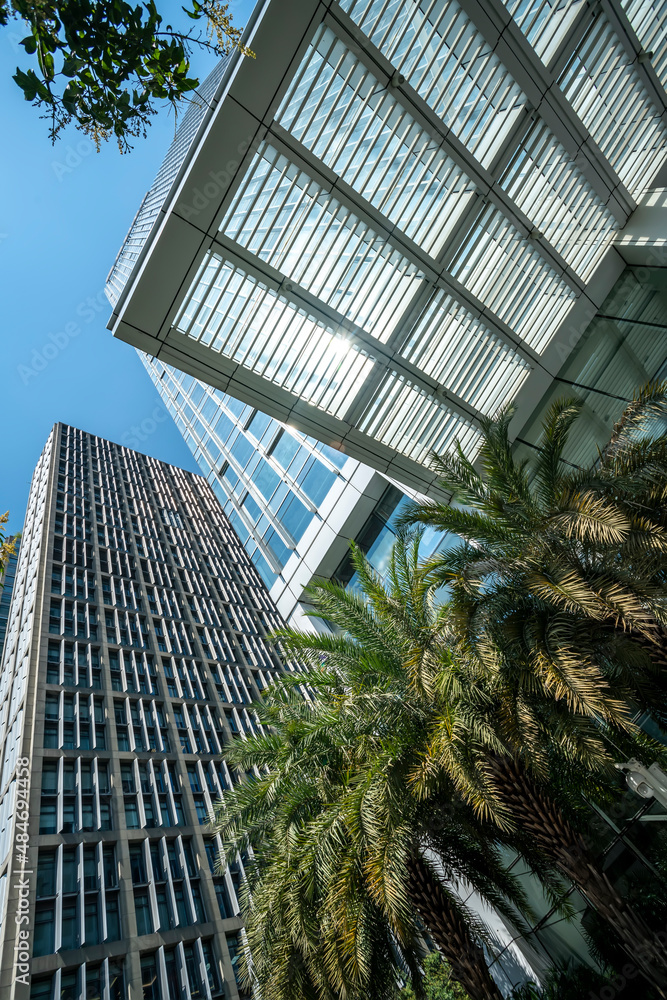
{"x": 402, "y": 216}
{"x": 294, "y": 503}
{"x": 7, "y": 578}
{"x": 135, "y": 644}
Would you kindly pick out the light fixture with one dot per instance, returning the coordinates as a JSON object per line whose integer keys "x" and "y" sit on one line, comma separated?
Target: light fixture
{"x": 647, "y": 782}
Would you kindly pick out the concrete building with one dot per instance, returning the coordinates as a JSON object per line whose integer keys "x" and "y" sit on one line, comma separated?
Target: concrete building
{"x": 134, "y": 645}
{"x": 7, "y": 578}
{"x": 400, "y": 217}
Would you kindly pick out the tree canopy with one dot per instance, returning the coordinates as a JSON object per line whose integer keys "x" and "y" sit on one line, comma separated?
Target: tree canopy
{"x": 105, "y": 65}
{"x": 7, "y": 545}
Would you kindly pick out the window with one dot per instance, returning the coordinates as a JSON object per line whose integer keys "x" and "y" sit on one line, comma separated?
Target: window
{"x": 47, "y": 817}
{"x": 110, "y": 867}
{"x": 70, "y": 870}
{"x": 197, "y": 989}
{"x": 94, "y": 982}
{"x": 164, "y": 921}
{"x": 105, "y": 815}
{"x": 284, "y": 449}
{"x": 69, "y": 986}
{"x": 92, "y": 920}
{"x": 210, "y": 966}
{"x": 234, "y": 949}
{"x": 178, "y": 809}
{"x": 70, "y": 936}
{"x": 200, "y": 912}
{"x": 45, "y": 925}
{"x": 173, "y": 979}
{"x": 42, "y": 989}
{"x": 137, "y": 864}
{"x": 113, "y": 918}
{"x": 69, "y": 814}
{"x": 50, "y": 777}
{"x": 189, "y": 858}
{"x": 116, "y": 981}
{"x": 149, "y": 978}
{"x": 143, "y": 913}
{"x": 317, "y": 482}
{"x": 46, "y": 873}
{"x": 127, "y": 777}
{"x": 224, "y": 904}
{"x": 181, "y": 906}
{"x": 131, "y": 814}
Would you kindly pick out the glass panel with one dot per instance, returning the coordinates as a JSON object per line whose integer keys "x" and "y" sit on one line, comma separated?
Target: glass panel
{"x": 450, "y": 65}
{"x": 602, "y": 83}
{"x": 233, "y": 314}
{"x": 286, "y": 219}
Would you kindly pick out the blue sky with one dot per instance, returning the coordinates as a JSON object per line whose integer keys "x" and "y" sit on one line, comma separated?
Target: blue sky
{"x": 65, "y": 212}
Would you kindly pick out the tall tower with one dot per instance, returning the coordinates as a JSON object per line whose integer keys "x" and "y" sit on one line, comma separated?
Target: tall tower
{"x": 135, "y": 644}
{"x": 7, "y": 578}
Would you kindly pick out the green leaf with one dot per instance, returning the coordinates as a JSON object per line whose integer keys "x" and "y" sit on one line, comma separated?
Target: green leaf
{"x": 71, "y": 66}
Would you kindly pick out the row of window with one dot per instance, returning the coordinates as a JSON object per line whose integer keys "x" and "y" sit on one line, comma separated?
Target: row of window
{"x": 165, "y": 882}
{"x": 78, "y": 665}
{"x": 164, "y": 976}
{"x": 77, "y": 898}
{"x": 74, "y": 664}
{"x": 74, "y": 721}
{"x": 79, "y": 555}
{"x": 92, "y": 981}
{"x": 76, "y": 795}
{"x": 77, "y": 891}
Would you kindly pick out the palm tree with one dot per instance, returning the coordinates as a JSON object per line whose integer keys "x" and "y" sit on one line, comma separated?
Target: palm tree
{"x": 408, "y": 711}
{"x": 331, "y": 814}
{"x": 562, "y": 569}
{"x": 328, "y": 911}
{"x": 557, "y": 594}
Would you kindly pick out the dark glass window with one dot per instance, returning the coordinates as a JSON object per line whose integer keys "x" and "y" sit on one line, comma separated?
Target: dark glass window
{"x": 46, "y": 873}
{"x": 197, "y": 989}
{"x": 92, "y": 920}
{"x": 47, "y": 817}
{"x": 131, "y": 814}
{"x": 42, "y": 989}
{"x": 143, "y": 913}
{"x": 69, "y": 986}
{"x": 137, "y": 865}
{"x": 116, "y": 981}
{"x": 163, "y": 910}
{"x": 149, "y": 978}
{"x": 94, "y": 982}
{"x": 70, "y": 935}
{"x": 45, "y": 926}
{"x": 113, "y": 917}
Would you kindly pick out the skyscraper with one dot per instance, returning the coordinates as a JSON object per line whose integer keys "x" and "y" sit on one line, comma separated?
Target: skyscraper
{"x": 294, "y": 502}
{"x": 402, "y": 216}
{"x": 7, "y": 578}
{"x": 135, "y": 643}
